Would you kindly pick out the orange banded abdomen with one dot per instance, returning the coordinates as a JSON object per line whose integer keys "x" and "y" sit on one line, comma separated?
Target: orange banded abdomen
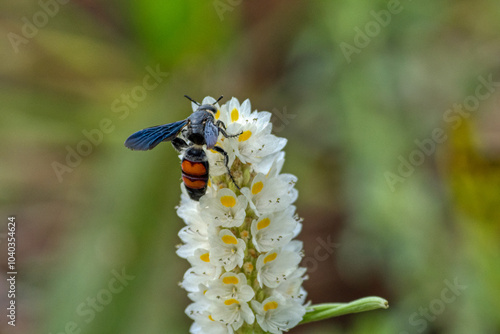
{"x": 194, "y": 183}
{"x": 195, "y": 173}
{"x": 194, "y": 168}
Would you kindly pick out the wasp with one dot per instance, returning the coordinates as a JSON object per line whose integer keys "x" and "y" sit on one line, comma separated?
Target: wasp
{"x": 188, "y": 137}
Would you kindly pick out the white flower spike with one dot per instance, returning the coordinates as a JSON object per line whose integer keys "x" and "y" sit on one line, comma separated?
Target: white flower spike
{"x": 245, "y": 275}
{"x": 239, "y": 241}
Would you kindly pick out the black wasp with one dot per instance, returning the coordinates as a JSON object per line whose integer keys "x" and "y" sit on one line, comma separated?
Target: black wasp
{"x": 198, "y": 129}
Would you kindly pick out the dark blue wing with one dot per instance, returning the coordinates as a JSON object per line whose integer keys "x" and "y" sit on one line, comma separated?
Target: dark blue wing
{"x": 147, "y": 139}
{"x": 211, "y": 134}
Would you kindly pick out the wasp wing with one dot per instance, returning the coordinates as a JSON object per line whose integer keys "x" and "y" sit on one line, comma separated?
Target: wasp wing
{"x": 148, "y": 138}
{"x": 211, "y": 134}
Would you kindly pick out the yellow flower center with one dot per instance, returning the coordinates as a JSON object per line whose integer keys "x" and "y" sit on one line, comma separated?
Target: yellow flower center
{"x": 257, "y": 187}
{"x": 270, "y": 257}
{"x": 205, "y": 257}
{"x": 228, "y": 201}
{"x": 245, "y": 135}
{"x": 235, "y": 115}
{"x": 270, "y": 306}
{"x": 217, "y": 114}
{"x": 263, "y": 223}
{"x": 229, "y": 240}
{"x": 230, "y": 280}
{"x": 231, "y": 302}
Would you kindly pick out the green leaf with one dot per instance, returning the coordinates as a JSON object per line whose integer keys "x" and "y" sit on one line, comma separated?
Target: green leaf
{"x": 330, "y": 310}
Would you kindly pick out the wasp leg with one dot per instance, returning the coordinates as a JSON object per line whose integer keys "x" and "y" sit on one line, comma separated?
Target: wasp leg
{"x": 179, "y": 144}
{"x": 220, "y": 124}
{"x": 229, "y": 136}
{"x": 226, "y": 161}
{"x": 222, "y": 127}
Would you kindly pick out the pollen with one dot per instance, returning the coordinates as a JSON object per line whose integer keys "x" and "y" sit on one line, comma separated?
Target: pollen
{"x": 217, "y": 114}
{"x": 231, "y": 302}
{"x": 245, "y": 135}
{"x": 270, "y": 306}
{"x": 235, "y": 115}
{"x": 270, "y": 257}
{"x": 256, "y": 188}
{"x": 263, "y": 223}
{"x": 205, "y": 257}
{"x": 228, "y": 201}
{"x": 210, "y": 317}
{"x": 230, "y": 280}
{"x": 229, "y": 240}
{"x": 248, "y": 267}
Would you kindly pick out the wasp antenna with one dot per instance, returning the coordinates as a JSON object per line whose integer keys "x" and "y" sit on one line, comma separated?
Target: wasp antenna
{"x": 190, "y": 99}
{"x": 218, "y": 100}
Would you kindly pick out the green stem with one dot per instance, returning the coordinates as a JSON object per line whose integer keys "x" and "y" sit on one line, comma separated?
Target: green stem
{"x": 330, "y": 310}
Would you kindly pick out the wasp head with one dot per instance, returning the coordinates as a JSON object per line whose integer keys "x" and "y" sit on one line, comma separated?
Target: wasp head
{"x": 208, "y": 107}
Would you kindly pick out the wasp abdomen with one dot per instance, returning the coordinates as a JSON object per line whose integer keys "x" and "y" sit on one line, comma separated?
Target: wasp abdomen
{"x": 195, "y": 172}
{"x": 194, "y": 168}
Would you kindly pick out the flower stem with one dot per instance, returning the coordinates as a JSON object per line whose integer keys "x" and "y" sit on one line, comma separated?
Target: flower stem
{"x": 330, "y": 310}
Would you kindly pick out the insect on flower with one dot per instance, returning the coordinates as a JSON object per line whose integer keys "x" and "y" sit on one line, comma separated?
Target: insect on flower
{"x": 245, "y": 274}
{"x": 188, "y": 137}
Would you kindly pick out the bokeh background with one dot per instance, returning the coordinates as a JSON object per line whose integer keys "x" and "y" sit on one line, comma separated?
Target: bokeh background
{"x": 392, "y": 132}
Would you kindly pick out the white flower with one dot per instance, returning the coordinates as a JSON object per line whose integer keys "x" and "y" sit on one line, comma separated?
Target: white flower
{"x": 198, "y": 296}
{"x": 226, "y": 250}
{"x": 233, "y": 111}
{"x": 292, "y": 288}
{"x": 202, "y": 270}
{"x": 229, "y": 286}
{"x": 193, "y": 237}
{"x": 267, "y": 195}
{"x": 205, "y": 325}
{"x": 195, "y": 234}
{"x": 255, "y": 144}
{"x": 276, "y": 314}
{"x": 204, "y": 321}
{"x": 233, "y": 312}
{"x": 255, "y": 141}
{"x": 226, "y": 209}
{"x": 273, "y": 230}
{"x": 239, "y": 240}
{"x": 275, "y": 266}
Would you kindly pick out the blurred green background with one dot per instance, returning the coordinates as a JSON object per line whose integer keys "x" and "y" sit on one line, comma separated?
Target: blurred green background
{"x": 392, "y": 128}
